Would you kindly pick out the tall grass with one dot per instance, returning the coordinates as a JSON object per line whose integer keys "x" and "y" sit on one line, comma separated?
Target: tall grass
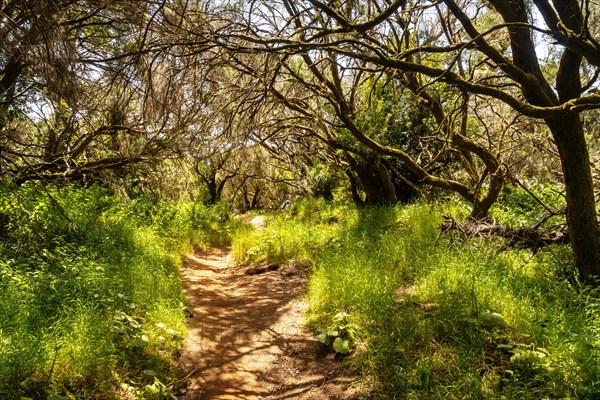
{"x": 436, "y": 317}
{"x": 91, "y": 302}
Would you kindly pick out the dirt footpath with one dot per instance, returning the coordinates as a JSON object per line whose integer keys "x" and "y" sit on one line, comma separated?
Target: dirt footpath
{"x": 246, "y": 337}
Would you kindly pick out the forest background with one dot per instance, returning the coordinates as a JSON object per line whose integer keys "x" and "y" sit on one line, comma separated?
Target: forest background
{"x": 131, "y": 130}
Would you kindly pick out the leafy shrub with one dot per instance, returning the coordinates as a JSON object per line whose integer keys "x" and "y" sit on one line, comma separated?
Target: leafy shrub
{"x": 340, "y": 335}
{"x": 518, "y": 207}
{"x": 90, "y": 292}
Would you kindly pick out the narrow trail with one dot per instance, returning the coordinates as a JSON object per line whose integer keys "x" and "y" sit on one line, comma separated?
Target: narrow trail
{"x": 247, "y": 338}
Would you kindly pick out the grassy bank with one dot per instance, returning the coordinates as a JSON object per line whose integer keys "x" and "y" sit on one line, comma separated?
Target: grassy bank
{"x": 432, "y": 316}
{"x": 91, "y": 302}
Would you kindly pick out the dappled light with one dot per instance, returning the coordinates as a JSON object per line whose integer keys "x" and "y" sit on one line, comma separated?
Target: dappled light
{"x": 247, "y": 339}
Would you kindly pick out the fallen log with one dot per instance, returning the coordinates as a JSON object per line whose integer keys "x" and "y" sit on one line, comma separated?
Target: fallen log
{"x": 530, "y": 237}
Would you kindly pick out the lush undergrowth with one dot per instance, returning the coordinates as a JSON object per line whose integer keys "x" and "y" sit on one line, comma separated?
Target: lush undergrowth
{"x": 431, "y": 316}
{"x": 91, "y": 303}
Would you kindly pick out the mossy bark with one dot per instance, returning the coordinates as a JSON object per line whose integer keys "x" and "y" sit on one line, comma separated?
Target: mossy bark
{"x": 581, "y": 206}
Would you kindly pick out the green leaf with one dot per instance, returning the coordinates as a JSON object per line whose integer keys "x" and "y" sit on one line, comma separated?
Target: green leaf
{"x": 323, "y": 338}
{"x": 149, "y": 372}
{"x": 341, "y": 346}
{"x": 152, "y": 389}
{"x": 333, "y": 332}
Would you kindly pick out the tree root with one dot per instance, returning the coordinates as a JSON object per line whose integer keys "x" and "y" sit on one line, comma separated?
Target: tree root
{"x": 530, "y": 237}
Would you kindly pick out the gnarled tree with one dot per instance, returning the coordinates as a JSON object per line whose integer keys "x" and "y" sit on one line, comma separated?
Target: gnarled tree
{"x": 502, "y": 45}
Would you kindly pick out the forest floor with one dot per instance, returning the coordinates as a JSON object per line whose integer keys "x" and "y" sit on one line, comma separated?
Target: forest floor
{"x": 246, "y": 336}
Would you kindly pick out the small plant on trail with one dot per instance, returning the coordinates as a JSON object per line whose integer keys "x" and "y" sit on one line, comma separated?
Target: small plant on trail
{"x": 339, "y": 335}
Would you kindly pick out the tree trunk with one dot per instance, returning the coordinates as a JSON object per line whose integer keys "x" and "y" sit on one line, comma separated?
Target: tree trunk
{"x": 255, "y": 198}
{"x": 387, "y": 188}
{"x": 376, "y": 182}
{"x": 581, "y": 206}
{"x": 353, "y": 188}
{"x": 402, "y": 179}
{"x": 483, "y": 203}
{"x": 566, "y": 130}
{"x": 214, "y": 195}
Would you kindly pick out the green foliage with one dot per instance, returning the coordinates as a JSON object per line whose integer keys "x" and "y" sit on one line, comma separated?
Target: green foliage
{"x": 321, "y": 181}
{"x": 433, "y": 317}
{"x": 314, "y": 222}
{"x": 340, "y": 335}
{"x": 394, "y": 116}
{"x": 90, "y": 293}
{"x": 518, "y": 207}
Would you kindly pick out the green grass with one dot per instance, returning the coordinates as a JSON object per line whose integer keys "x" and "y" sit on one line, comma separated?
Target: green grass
{"x": 433, "y": 316}
{"x": 91, "y": 302}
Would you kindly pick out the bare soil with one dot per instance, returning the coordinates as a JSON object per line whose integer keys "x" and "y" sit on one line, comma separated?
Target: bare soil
{"x": 247, "y": 338}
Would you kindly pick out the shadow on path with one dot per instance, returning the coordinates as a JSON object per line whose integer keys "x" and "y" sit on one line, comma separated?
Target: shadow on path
{"x": 246, "y": 338}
